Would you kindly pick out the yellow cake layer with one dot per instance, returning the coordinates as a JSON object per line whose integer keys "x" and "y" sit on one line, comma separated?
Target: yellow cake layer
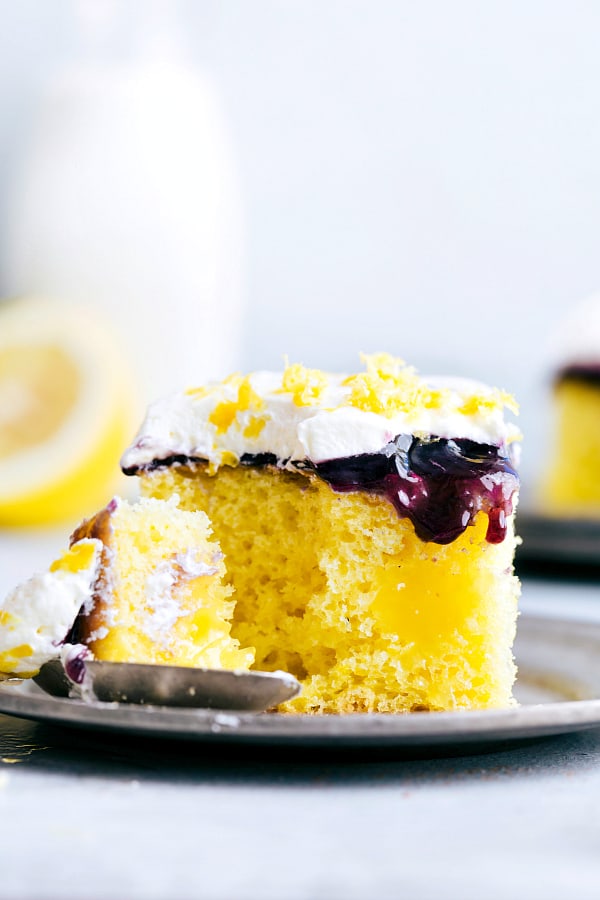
{"x": 160, "y": 596}
{"x": 337, "y": 589}
{"x": 572, "y": 483}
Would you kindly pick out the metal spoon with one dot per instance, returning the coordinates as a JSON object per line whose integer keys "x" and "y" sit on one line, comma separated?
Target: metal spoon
{"x": 170, "y": 685}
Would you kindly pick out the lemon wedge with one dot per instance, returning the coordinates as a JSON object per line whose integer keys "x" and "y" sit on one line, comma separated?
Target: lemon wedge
{"x": 65, "y": 411}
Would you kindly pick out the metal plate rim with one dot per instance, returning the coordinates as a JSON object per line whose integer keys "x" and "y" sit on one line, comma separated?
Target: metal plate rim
{"x": 355, "y": 729}
{"x": 558, "y": 538}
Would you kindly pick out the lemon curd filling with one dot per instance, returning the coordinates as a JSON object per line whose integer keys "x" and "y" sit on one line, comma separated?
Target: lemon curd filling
{"x": 367, "y": 528}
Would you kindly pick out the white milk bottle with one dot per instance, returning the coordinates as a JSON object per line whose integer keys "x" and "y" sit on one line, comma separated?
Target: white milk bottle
{"x": 127, "y": 199}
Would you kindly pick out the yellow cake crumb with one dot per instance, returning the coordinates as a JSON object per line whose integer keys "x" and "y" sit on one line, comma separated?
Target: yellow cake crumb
{"x": 160, "y": 596}
{"x": 339, "y": 591}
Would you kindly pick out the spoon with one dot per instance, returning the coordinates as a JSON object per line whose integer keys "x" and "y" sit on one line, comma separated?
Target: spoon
{"x": 170, "y": 685}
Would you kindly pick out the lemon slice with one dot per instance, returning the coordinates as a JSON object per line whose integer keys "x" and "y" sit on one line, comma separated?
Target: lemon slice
{"x": 65, "y": 411}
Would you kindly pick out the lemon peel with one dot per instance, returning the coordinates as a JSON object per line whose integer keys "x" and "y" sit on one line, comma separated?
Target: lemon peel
{"x": 388, "y": 386}
{"x": 489, "y": 402}
{"x": 225, "y": 413}
{"x": 68, "y": 412}
{"x": 306, "y": 385}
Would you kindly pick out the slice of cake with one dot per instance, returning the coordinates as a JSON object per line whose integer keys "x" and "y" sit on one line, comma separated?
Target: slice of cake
{"x": 571, "y": 486}
{"x": 141, "y": 583}
{"x": 159, "y": 596}
{"x": 571, "y": 483}
{"x": 367, "y": 524}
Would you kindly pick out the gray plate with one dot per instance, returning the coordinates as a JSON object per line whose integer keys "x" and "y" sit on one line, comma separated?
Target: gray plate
{"x": 558, "y": 689}
{"x": 555, "y": 540}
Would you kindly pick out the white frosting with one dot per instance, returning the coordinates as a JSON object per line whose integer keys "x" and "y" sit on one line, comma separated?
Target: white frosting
{"x": 163, "y": 605}
{"x": 163, "y": 599}
{"x": 39, "y": 614}
{"x": 329, "y": 428}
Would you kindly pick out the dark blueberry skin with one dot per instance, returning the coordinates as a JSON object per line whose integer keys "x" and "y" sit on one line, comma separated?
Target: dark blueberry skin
{"x": 437, "y": 483}
{"x": 76, "y": 630}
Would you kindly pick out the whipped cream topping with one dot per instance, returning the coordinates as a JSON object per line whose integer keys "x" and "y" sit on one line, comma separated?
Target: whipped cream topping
{"x": 164, "y": 594}
{"x": 317, "y": 416}
{"x": 37, "y": 615}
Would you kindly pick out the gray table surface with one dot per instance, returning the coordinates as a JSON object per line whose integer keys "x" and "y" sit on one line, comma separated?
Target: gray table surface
{"x": 92, "y": 817}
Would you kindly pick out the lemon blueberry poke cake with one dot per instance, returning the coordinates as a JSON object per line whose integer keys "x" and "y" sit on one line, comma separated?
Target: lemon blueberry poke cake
{"x": 367, "y": 527}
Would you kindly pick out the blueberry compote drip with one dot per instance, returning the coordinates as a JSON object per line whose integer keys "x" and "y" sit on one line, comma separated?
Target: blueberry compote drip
{"x": 439, "y": 484}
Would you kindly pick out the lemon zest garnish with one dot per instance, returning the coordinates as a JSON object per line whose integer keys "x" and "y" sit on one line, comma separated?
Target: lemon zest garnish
{"x": 248, "y": 398}
{"x": 489, "y": 402}
{"x": 225, "y": 413}
{"x": 15, "y": 653}
{"x": 6, "y": 618}
{"x": 79, "y": 556}
{"x": 255, "y": 426}
{"x": 305, "y": 385}
{"x": 436, "y": 398}
{"x": 389, "y": 387}
{"x": 198, "y": 392}
{"x": 7, "y": 663}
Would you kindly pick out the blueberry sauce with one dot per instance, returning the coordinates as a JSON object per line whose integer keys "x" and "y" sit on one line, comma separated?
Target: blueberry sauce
{"x": 583, "y": 373}
{"x": 75, "y": 668}
{"x": 177, "y": 459}
{"x": 75, "y": 632}
{"x": 437, "y": 483}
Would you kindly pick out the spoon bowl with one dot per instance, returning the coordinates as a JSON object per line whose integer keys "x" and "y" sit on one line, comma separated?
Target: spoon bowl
{"x": 180, "y": 686}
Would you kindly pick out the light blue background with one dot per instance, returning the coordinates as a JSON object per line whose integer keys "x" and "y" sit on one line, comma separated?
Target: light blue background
{"x": 417, "y": 177}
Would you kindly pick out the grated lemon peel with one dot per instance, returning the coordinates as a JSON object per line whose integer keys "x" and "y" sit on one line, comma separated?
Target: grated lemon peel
{"x": 389, "y": 386}
{"x": 307, "y": 386}
{"x": 225, "y": 413}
